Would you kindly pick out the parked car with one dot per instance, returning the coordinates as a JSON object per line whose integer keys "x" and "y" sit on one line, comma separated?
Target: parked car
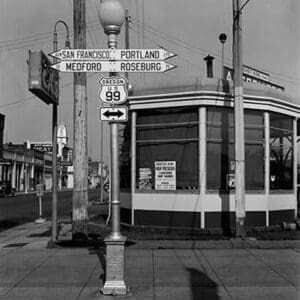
{"x": 6, "y": 189}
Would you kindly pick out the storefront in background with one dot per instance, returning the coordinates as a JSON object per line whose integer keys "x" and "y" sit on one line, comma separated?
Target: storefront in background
{"x": 182, "y": 157}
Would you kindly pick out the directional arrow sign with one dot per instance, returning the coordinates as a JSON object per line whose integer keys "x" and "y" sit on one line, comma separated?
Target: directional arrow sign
{"x": 113, "y": 66}
{"x": 112, "y": 54}
{"x": 114, "y": 113}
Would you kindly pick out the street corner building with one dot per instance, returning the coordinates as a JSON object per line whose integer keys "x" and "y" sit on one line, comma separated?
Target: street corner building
{"x": 178, "y": 161}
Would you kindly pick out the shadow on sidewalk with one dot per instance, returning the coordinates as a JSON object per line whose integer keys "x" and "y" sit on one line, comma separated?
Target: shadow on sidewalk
{"x": 202, "y": 286}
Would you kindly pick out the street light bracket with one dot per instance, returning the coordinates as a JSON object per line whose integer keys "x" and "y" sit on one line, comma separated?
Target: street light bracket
{"x": 67, "y": 42}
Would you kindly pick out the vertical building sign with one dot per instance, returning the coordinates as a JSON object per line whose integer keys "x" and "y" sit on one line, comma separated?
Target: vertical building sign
{"x": 165, "y": 175}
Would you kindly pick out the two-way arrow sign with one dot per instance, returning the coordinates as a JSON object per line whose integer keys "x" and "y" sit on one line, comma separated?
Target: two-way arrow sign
{"x": 113, "y": 114}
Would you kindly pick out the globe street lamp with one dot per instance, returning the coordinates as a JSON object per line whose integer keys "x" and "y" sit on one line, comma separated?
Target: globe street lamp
{"x": 112, "y": 16}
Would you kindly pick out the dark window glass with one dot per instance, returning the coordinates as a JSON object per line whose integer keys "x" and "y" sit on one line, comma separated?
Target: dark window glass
{"x": 254, "y": 167}
{"x": 220, "y": 157}
{"x": 220, "y": 148}
{"x": 281, "y": 156}
{"x": 168, "y": 135}
{"x": 254, "y": 149}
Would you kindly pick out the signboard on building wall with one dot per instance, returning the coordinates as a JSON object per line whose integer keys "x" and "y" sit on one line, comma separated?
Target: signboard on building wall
{"x": 165, "y": 175}
{"x": 41, "y": 146}
{"x": 254, "y": 76}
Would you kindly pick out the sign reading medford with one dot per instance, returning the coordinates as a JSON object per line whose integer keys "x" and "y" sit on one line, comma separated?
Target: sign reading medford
{"x": 42, "y": 80}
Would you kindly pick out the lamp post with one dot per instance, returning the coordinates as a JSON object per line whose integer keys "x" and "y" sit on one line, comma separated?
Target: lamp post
{"x": 54, "y": 142}
{"x": 222, "y": 38}
{"x": 112, "y": 16}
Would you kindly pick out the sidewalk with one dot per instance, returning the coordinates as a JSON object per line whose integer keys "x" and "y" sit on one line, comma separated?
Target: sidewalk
{"x": 154, "y": 269}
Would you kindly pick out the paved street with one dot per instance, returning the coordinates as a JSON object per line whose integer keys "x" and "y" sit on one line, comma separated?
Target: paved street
{"x": 28, "y": 270}
{"x": 24, "y": 207}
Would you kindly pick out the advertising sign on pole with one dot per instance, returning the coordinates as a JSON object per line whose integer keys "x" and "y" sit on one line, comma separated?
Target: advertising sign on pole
{"x": 42, "y": 80}
{"x": 165, "y": 175}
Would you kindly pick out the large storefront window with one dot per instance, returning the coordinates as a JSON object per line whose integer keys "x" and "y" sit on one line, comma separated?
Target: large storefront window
{"x": 254, "y": 150}
{"x": 220, "y": 149}
{"x": 281, "y": 156}
{"x": 167, "y": 149}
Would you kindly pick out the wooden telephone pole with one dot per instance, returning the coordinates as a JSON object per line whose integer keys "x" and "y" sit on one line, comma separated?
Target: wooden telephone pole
{"x": 240, "y": 214}
{"x": 80, "y": 157}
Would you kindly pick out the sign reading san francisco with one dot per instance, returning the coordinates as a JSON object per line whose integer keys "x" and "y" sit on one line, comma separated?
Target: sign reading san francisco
{"x": 113, "y": 54}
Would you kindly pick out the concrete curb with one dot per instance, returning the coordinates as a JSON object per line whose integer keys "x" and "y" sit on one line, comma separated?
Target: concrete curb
{"x": 220, "y": 244}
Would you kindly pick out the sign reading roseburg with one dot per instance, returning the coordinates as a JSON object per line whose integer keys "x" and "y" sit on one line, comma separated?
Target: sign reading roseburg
{"x": 113, "y": 66}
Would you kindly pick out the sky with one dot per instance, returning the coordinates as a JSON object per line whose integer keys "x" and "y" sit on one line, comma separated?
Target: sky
{"x": 189, "y": 28}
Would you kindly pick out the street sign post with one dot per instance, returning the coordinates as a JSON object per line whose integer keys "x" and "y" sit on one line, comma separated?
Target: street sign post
{"x": 112, "y": 54}
{"x": 116, "y": 114}
{"x": 145, "y": 66}
{"x": 40, "y": 193}
{"x": 113, "y": 90}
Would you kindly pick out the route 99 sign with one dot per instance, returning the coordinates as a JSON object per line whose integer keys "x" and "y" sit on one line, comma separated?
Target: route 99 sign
{"x": 113, "y": 90}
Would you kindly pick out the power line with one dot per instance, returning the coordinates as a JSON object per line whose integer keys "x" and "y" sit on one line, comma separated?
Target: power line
{"x": 29, "y": 37}
{"x": 164, "y": 35}
{"x": 34, "y": 36}
{"x": 33, "y": 97}
{"x": 159, "y": 45}
{"x": 40, "y": 40}
{"x": 193, "y": 48}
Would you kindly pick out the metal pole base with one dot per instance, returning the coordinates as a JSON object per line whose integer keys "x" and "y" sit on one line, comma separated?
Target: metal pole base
{"x": 114, "y": 288}
{"x": 240, "y": 228}
{"x": 115, "y": 263}
{"x": 40, "y": 221}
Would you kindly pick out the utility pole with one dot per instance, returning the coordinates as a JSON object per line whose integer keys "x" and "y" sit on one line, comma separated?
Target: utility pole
{"x": 240, "y": 214}
{"x": 126, "y": 35}
{"x": 80, "y": 156}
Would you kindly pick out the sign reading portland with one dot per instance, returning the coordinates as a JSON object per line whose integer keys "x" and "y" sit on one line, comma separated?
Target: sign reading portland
{"x": 112, "y": 54}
